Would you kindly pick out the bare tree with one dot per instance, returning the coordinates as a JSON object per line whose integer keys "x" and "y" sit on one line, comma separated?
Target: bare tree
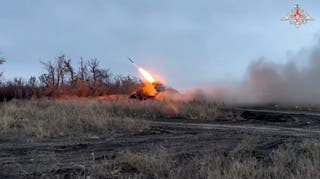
{"x": 60, "y": 78}
{"x": 125, "y": 84}
{"x": 1, "y": 62}
{"x": 49, "y": 78}
{"x": 83, "y": 71}
{"x": 60, "y": 69}
{"x": 103, "y": 76}
{"x": 32, "y": 82}
{"x": 44, "y": 80}
{"x": 69, "y": 69}
{"x": 93, "y": 68}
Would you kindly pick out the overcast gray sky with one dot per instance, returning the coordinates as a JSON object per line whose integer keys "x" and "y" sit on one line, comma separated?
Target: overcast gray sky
{"x": 188, "y": 43}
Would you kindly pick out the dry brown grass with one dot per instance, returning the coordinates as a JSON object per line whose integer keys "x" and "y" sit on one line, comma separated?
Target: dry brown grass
{"x": 43, "y": 118}
{"x": 154, "y": 109}
{"x": 156, "y": 163}
{"x": 52, "y": 118}
{"x": 300, "y": 160}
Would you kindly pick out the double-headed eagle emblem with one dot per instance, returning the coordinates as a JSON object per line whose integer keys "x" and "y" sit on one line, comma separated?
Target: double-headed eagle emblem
{"x": 297, "y": 16}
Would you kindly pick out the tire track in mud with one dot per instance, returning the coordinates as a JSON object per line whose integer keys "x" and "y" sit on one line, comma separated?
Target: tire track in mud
{"x": 290, "y": 112}
{"x": 178, "y": 137}
{"x": 288, "y": 131}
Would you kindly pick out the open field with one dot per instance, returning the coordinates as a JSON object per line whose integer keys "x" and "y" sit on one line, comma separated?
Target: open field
{"x": 152, "y": 139}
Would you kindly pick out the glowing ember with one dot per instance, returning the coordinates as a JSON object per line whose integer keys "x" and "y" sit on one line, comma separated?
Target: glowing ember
{"x": 146, "y": 75}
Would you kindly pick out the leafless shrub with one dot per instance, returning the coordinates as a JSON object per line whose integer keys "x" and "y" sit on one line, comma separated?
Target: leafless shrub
{"x": 61, "y": 79}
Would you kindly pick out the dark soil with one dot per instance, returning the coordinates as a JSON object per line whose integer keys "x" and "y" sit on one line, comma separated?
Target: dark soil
{"x": 22, "y": 157}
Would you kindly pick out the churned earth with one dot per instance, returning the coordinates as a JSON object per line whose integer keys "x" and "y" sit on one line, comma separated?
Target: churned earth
{"x": 22, "y": 157}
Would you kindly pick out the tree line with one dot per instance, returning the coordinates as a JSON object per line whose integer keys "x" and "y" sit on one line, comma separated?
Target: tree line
{"x": 61, "y": 79}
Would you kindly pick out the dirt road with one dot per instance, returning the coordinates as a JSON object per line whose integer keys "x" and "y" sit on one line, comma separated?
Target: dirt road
{"x": 33, "y": 158}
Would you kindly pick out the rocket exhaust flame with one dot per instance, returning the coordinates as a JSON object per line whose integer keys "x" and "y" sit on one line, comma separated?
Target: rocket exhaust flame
{"x": 151, "y": 87}
{"x": 146, "y": 75}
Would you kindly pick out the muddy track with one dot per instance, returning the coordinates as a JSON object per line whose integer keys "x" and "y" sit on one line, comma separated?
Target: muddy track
{"x": 283, "y": 131}
{"x": 180, "y": 137}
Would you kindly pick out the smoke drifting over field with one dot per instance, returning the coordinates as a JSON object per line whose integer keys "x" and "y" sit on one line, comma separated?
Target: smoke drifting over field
{"x": 268, "y": 82}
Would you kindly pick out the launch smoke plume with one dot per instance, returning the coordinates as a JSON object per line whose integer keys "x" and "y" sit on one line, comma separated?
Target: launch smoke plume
{"x": 269, "y": 82}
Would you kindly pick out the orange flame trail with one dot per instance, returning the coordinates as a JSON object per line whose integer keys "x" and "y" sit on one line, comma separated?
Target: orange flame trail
{"x": 146, "y": 75}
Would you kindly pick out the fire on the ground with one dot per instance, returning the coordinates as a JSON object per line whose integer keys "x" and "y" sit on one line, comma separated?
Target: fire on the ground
{"x": 151, "y": 87}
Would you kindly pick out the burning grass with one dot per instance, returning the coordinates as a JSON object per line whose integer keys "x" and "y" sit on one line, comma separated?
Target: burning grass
{"x": 54, "y": 118}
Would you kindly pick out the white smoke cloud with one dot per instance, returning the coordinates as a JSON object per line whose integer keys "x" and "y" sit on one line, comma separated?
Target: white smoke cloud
{"x": 269, "y": 82}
